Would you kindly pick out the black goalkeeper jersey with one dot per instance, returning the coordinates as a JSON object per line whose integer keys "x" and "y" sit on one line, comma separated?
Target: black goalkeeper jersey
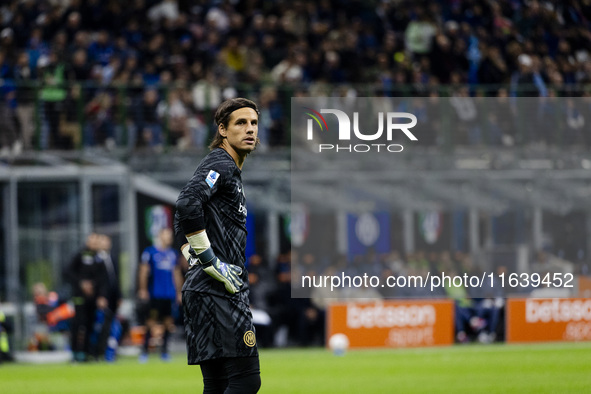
{"x": 214, "y": 200}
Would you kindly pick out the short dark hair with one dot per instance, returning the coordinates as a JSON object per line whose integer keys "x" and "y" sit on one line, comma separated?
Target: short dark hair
{"x": 222, "y": 117}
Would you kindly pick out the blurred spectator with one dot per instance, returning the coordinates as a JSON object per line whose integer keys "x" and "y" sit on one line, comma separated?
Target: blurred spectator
{"x": 111, "y": 328}
{"x": 259, "y": 279}
{"x": 493, "y": 68}
{"x": 260, "y": 285}
{"x": 52, "y": 95}
{"x": 272, "y": 54}
{"x": 88, "y": 277}
{"x": 528, "y": 76}
{"x": 166, "y": 9}
{"x": 146, "y": 120}
{"x": 73, "y": 24}
{"x": 464, "y": 310}
{"x": 290, "y": 69}
{"x": 99, "y": 128}
{"x": 281, "y": 305}
{"x": 54, "y": 316}
{"x": 310, "y": 323}
{"x": 173, "y": 112}
{"x": 81, "y": 43}
{"x": 269, "y": 118}
{"x": 5, "y": 66}
{"x": 109, "y": 71}
{"x": 207, "y": 95}
{"x": 79, "y": 69}
{"x": 490, "y": 309}
{"x": 51, "y": 308}
{"x": 419, "y": 33}
{"x": 8, "y": 45}
{"x": 9, "y": 141}
{"x": 233, "y": 55}
{"x": 101, "y": 50}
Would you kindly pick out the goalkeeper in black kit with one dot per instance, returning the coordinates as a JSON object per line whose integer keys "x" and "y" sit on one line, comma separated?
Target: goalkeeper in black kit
{"x": 211, "y": 215}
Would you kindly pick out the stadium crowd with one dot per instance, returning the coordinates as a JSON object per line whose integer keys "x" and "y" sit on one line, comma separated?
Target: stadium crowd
{"x": 149, "y": 72}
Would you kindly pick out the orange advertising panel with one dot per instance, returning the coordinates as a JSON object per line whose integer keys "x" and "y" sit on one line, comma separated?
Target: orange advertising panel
{"x": 393, "y": 323}
{"x": 555, "y": 319}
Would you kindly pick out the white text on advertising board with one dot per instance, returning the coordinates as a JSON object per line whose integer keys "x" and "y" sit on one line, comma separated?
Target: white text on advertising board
{"x": 384, "y": 316}
{"x": 556, "y": 310}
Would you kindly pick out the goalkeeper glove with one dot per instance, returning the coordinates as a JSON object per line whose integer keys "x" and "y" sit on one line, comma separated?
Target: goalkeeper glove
{"x": 188, "y": 252}
{"x": 228, "y": 274}
{"x": 199, "y": 249}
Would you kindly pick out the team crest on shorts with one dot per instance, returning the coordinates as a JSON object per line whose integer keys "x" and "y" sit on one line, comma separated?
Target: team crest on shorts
{"x": 249, "y": 339}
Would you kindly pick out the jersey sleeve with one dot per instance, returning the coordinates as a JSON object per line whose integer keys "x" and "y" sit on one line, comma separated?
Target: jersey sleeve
{"x": 145, "y": 259}
{"x": 197, "y": 192}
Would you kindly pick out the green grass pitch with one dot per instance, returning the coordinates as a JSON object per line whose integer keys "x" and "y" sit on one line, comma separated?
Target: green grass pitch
{"x": 539, "y": 368}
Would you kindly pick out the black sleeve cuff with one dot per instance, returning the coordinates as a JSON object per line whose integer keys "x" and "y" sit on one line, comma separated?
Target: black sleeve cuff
{"x": 190, "y": 226}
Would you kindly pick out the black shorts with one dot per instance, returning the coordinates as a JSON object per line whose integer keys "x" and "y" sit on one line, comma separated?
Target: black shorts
{"x": 218, "y": 326}
{"x": 160, "y": 308}
{"x": 240, "y": 375}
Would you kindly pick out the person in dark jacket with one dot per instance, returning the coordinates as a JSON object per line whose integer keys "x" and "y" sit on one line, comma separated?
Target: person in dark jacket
{"x": 87, "y": 274}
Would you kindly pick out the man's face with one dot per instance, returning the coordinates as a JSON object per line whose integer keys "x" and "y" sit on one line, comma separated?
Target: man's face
{"x": 242, "y": 130}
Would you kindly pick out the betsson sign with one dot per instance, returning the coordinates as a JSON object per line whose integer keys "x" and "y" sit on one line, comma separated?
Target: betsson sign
{"x": 538, "y": 320}
{"x": 393, "y": 323}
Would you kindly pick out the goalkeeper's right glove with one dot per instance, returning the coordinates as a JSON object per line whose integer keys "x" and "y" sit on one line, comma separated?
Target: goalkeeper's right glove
{"x": 228, "y": 274}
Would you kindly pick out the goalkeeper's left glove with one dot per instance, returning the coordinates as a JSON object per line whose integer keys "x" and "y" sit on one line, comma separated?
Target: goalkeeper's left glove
{"x": 188, "y": 253}
{"x": 228, "y": 274}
